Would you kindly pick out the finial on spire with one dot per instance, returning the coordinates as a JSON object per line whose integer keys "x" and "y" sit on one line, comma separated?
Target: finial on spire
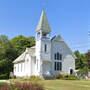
{"x": 43, "y": 4}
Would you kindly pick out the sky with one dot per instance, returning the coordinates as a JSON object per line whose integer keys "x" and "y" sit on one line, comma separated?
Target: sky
{"x": 69, "y": 18}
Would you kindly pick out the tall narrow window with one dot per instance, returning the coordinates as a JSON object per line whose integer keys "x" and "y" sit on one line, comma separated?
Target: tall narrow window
{"x": 55, "y": 66}
{"x": 21, "y": 67}
{"x": 60, "y": 66}
{"x": 37, "y": 64}
{"x": 60, "y": 57}
{"x": 55, "y": 56}
{"x": 45, "y": 48}
{"x": 18, "y": 67}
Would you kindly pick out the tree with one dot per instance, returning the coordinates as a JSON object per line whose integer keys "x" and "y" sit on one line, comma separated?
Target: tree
{"x": 3, "y": 38}
{"x": 7, "y": 55}
{"x": 81, "y": 63}
{"x": 11, "y": 49}
{"x": 88, "y": 59}
{"x": 77, "y": 60}
{"x": 20, "y": 43}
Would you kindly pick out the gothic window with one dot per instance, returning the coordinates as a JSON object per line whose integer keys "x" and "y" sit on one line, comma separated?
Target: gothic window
{"x": 45, "y": 48}
{"x": 58, "y": 56}
{"x": 58, "y": 66}
{"x": 55, "y": 56}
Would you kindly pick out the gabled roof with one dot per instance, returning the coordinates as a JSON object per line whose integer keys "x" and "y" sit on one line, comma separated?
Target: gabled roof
{"x": 21, "y": 58}
{"x": 59, "y": 38}
{"x": 43, "y": 23}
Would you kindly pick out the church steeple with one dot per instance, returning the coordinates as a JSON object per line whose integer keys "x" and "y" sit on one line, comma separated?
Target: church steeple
{"x": 43, "y": 24}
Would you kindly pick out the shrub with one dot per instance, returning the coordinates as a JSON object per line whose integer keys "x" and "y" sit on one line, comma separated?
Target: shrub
{"x": 60, "y": 75}
{"x": 22, "y": 86}
{"x": 4, "y": 76}
{"x": 70, "y": 77}
{"x": 48, "y": 77}
{"x": 35, "y": 78}
{"x": 66, "y": 76}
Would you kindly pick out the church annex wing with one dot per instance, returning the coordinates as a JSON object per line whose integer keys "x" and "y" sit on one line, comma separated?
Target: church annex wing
{"x": 21, "y": 58}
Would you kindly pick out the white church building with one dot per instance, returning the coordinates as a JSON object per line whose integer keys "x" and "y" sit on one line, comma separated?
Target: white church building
{"x": 48, "y": 57}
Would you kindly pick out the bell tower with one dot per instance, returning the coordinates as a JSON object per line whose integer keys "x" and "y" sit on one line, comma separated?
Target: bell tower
{"x": 43, "y": 28}
{"x": 43, "y": 42}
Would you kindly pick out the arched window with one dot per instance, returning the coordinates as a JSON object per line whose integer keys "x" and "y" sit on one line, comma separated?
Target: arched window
{"x": 58, "y": 56}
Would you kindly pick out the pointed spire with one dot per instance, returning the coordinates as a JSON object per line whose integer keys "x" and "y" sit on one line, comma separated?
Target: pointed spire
{"x": 43, "y": 23}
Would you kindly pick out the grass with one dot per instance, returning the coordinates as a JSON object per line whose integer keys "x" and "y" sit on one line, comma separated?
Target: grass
{"x": 2, "y": 83}
{"x": 62, "y": 84}
{"x": 66, "y": 85}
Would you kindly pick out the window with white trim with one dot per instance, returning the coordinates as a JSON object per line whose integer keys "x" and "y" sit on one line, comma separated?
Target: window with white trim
{"x": 58, "y": 66}
{"x": 58, "y": 56}
{"x": 45, "y": 47}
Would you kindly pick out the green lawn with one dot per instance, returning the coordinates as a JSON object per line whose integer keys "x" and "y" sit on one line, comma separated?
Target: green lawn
{"x": 66, "y": 85}
{"x": 2, "y": 83}
{"x": 62, "y": 84}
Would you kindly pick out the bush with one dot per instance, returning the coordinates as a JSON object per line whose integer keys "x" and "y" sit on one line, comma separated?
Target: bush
{"x": 64, "y": 76}
{"x": 60, "y": 75}
{"x": 4, "y": 76}
{"x": 70, "y": 77}
{"x": 35, "y": 78}
{"x": 48, "y": 77}
{"x": 22, "y": 86}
